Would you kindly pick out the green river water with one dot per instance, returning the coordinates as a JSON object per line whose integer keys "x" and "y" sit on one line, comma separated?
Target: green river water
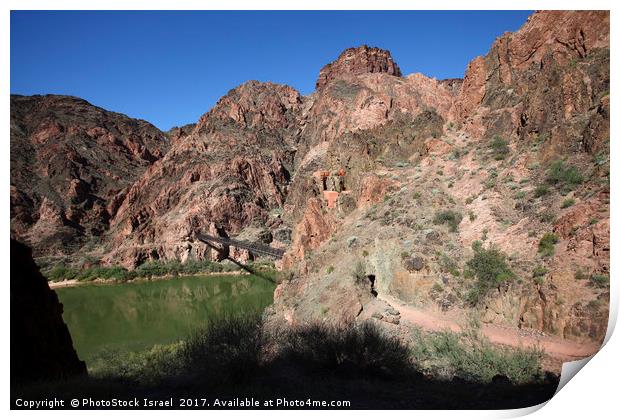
{"x": 136, "y": 316}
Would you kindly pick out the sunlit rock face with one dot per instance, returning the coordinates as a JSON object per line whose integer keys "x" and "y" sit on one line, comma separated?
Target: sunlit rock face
{"x": 71, "y": 163}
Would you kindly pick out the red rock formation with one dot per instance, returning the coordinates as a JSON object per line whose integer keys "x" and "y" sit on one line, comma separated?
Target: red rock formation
{"x": 356, "y": 61}
{"x": 232, "y": 170}
{"x": 541, "y": 80}
{"x": 68, "y": 161}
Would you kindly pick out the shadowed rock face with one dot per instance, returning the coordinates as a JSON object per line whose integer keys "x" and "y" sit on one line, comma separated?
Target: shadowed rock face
{"x": 356, "y": 61}
{"x": 41, "y": 346}
{"x": 70, "y": 161}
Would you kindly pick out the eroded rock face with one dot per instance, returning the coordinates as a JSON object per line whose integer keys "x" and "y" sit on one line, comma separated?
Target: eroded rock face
{"x": 41, "y": 346}
{"x": 549, "y": 80}
{"x": 231, "y": 171}
{"x": 411, "y": 145}
{"x": 356, "y": 61}
{"x": 69, "y": 160}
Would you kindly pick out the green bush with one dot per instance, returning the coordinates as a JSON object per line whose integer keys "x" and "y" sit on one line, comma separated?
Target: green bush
{"x": 106, "y": 273}
{"x": 541, "y": 190}
{"x": 330, "y": 269}
{"x": 546, "y": 246}
{"x": 474, "y": 359}
{"x": 539, "y": 271}
{"x": 491, "y": 270}
{"x": 147, "y": 367}
{"x": 600, "y": 280}
{"x": 567, "y": 203}
{"x": 60, "y": 273}
{"x": 499, "y": 147}
{"x": 563, "y": 176}
{"x": 450, "y": 217}
{"x": 547, "y": 217}
{"x": 148, "y": 269}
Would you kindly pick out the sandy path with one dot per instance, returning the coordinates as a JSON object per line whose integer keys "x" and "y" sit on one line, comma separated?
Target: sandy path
{"x": 563, "y": 350}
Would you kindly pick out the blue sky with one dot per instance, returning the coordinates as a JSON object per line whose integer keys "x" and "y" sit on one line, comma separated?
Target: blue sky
{"x": 171, "y": 67}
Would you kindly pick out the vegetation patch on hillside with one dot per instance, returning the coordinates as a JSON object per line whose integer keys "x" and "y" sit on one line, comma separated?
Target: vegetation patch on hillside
{"x": 491, "y": 270}
{"x": 151, "y": 269}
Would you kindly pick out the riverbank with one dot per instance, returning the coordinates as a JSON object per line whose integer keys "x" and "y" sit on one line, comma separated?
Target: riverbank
{"x": 74, "y": 282}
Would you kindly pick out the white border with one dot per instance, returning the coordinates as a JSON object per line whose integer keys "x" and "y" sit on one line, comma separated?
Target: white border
{"x": 591, "y": 394}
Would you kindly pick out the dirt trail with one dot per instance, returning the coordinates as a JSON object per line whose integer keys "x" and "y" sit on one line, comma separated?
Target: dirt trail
{"x": 563, "y": 350}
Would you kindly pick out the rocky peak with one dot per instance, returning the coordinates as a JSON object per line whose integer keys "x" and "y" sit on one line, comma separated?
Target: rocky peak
{"x": 256, "y": 105}
{"x": 360, "y": 60}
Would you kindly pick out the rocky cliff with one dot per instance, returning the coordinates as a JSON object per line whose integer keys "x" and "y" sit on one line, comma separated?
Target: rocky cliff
{"x": 41, "y": 346}
{"x": 356, "y": 61}
{"x": 515, "y": 155}
{"x": 71, "y": 163}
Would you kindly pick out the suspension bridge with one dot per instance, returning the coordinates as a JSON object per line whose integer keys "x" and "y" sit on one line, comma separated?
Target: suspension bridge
{"x": 253, "y": 247}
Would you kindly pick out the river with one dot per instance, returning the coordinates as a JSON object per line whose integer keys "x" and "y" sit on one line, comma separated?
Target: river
{"x": 136, "y": 316}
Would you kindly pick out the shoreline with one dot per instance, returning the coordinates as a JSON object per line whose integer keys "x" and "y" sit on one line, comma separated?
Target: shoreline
{"x": 99, "y": 281}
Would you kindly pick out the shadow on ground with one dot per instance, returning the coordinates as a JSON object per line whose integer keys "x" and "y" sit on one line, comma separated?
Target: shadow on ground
{"x": 237, "y": 358}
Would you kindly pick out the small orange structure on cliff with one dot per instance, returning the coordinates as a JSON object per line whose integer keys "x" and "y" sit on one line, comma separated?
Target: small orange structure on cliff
{"x": 331, "y": 184}
{"x": 331, "y": 197}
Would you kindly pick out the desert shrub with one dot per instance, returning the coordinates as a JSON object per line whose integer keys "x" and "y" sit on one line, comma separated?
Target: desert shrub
{"x": 538, "y": 275}
{"x": 539, "y": 271}
{"x": 547, "y": 217}
{"x": 147, "y": 367}
{"x": 106, "y": 273}
{"x": 580, "y": 275}
{"x": 227, "y": 349}
{"x": 60, "y": 273}
{"x": 473, "y": 358}
{"x": 546, "y": 245}
{"x": 563, "y": 176}
{"x": 472, "y": 216}
{"x": 541, "y": 190}
{"x": 600, "y": 280}
{"x": 450, "y": 217}
{"x": 449, "y": 265}
{"x": 490, "y": 269}
{"x": 567, "y": 203}
{"x": 360, "y": 350}
{"x": 359, "y": 273}
{"x": 330, "y": 269}
{"x": 500, "y": 148}
{"x": 152, "y": 268}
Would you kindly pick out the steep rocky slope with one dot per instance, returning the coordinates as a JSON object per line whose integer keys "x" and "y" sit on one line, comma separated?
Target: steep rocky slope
{"x": 70, "y": 161}
{"x": 41, "y": 346}
{"x": 520, "y": 166}
{"x": 226, "y": 175}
